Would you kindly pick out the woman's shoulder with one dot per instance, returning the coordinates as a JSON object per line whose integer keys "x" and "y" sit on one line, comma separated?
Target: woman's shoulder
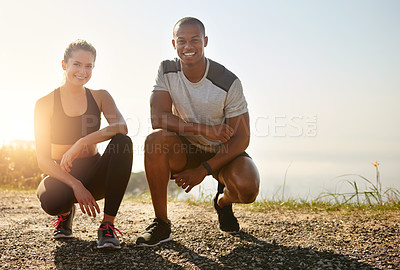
{"x": 100, "y": 95}
{"x": 99, "y": 92}
{"x": 46, "y": 102}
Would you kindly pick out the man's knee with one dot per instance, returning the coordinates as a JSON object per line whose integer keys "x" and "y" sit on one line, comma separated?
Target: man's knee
{"x": 159, "y": 136}
{"x": 243, "y": 187}
{"x": 158, "y": 142}
{"x": 244, "y": 179}
{"x": 248, "y": 191}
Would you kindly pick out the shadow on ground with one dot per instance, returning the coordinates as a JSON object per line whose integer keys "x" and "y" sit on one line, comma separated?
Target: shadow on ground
{"x": 253, "y": 254}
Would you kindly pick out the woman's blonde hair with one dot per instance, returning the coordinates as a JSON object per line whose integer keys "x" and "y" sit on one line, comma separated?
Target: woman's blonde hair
{"x": 79, "y": 44}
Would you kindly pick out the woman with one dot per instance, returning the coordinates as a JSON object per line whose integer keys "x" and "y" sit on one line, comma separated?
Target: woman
{"x": 67, "y": 129}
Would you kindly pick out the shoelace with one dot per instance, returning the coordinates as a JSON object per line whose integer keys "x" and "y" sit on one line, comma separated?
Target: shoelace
{"x": 108, "y": 229}
{"x": 152, "y": 226}
{"x": 57, "y": 223}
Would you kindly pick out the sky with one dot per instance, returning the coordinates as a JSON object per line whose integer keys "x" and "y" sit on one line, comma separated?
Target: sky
{"x": 321, "y": 78}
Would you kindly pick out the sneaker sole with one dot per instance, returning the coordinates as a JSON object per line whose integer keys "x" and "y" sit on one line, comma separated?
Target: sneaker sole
{"x": 156, "y": 244}
{"x": 108, "y": 246}
{"x": 232, "y": 232}
{"x": 63, "y": 236}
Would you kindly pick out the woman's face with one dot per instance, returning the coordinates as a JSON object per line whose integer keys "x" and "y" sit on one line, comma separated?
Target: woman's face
{"x": 78, "y": 68}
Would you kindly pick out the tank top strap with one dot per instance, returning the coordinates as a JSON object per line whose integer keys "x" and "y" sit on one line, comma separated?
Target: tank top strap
{"x": 91, "y": 103}
{"x": 67, "y": 130}
{"x": 57, "y": 106}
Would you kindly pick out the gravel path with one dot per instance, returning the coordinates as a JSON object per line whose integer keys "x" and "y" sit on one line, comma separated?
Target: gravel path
{"x": 277, "y": 239}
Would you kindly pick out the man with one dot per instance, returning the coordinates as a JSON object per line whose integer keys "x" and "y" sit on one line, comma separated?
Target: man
{"x": 201, "y": 115}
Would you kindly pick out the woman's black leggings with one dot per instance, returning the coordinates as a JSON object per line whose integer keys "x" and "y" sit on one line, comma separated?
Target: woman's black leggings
{"x": 104, "y": 176}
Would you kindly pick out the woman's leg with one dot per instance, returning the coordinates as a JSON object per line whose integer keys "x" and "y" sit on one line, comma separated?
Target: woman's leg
{"x": 56, "y": 198}
{"x": 111, "y": 174}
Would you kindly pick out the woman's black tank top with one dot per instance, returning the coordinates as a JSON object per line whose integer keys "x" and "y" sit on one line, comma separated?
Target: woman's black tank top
{"x": 66, "y": 130}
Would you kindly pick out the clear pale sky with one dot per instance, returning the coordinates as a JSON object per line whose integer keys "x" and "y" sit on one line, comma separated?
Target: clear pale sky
{"x": 321, "y": 77}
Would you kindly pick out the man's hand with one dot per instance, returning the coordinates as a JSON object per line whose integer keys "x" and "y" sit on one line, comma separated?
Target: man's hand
{"x": 221, "y": 132}
{"x": 85, "y": 199}
{"x": 190, "y": 178}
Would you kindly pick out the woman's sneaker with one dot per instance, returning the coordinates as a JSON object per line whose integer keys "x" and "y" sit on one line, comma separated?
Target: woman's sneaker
{"x": 227, "y": 221}
{"x": 63, "y": 225}
{"x": 108, "y": 236}
{"x": 155, "y": 234}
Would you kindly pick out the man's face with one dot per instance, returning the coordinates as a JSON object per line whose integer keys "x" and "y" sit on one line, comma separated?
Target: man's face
{"x": 189, "y": 42}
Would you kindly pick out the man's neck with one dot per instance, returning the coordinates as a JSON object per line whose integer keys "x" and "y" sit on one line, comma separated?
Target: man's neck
{"x": 194, "y": 73}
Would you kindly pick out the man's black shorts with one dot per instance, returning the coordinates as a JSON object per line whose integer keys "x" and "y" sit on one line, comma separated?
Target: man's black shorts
{"x": 195, "y": 156}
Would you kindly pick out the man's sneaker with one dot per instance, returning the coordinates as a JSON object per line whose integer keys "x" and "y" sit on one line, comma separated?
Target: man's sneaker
{"x": 63, "y": 225}
{"x": 227, "y": 221}
{"x": 108, "y": 236}
{"x": 155, "y": 234}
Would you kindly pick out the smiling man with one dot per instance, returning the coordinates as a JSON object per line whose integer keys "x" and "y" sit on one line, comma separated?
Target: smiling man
{"x": 202, "y": 122}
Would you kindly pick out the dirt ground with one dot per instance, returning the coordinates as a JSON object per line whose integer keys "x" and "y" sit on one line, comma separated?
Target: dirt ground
{"x": 276, "y": 239}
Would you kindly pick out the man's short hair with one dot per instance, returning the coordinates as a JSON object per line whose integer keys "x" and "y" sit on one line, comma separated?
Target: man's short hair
{"x": 189, "y": 20}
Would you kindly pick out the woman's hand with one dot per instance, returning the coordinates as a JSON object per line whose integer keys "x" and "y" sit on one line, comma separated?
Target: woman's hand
{"x": 71, "y": 155}
{"x": 85, "y": 199}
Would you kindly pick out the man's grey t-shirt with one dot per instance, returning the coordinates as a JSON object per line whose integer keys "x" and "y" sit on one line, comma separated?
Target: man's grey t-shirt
{"x": 217, "y": 96}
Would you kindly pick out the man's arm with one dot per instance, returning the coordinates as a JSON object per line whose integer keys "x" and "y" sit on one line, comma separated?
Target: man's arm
{"x": 162, "y": 117}
{"x": 228, "y": 151}
{"x": 236, "y": 145}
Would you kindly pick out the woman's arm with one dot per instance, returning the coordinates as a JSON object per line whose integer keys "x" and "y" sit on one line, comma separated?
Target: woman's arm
{"x": 116, "y": 125}
{"x": 42, "y": 114}
{"x": 116, "y": 122}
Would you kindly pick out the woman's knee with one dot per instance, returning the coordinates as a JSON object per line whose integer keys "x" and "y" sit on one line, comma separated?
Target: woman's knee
{"x": 55, "y": 197}
{"x": 123, "y": 140}
{"x": 120, "y": 144}
{"x": 56, "y": 208}
{"x": 55, "y": 204}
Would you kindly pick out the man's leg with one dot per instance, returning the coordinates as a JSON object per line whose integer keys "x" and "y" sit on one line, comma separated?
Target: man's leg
{"x": 241, "y": 180}
{"x": 163, "y": 152}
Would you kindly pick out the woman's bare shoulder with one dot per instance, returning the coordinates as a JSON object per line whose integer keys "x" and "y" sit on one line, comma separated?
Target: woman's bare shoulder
{"x": 46, "y": 102}
{"x": 101, "y": 93}
{"x": 100, "y": 96}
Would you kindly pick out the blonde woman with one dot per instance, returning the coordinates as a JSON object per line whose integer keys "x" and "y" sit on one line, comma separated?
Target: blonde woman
{"x": 67, "y": 130}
